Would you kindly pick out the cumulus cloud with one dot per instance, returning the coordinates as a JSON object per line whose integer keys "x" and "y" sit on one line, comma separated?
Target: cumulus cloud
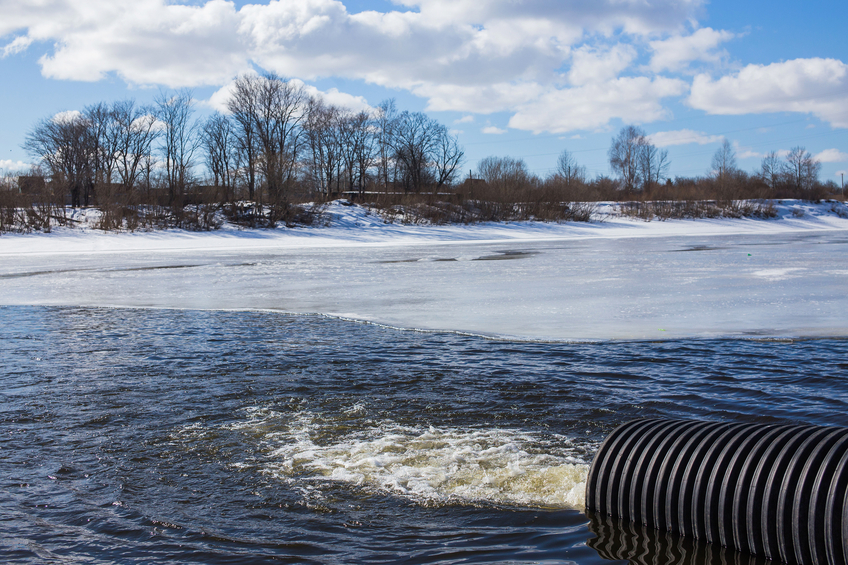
{"x": 9, "y": 165}
{"x": 492, "y": 130}
{"x": 485, "y": 99}
{"x": 467, "y": 119}
{"x": 631, "y": 99}
{"x": 459, "y": 41}
{"x": 682, "y": 137}
{"x": 218, "y": 99}
{"x": 66, "y": 117}
{"x": 599, "y": 15}
{"x": 815, "y": 86}
{"x": 831, "y": 156}
{"x": 589, "y": 65}
{"x": 541, "y": 57}
{"x": 675, "y": 53}
{"x": 143, "y": 41}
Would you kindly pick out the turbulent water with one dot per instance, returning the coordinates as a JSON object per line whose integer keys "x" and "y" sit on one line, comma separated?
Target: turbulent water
{"x": 174, "y": 436}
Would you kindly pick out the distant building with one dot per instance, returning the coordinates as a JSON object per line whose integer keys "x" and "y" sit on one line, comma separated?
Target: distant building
{"x": 31, "y": 184}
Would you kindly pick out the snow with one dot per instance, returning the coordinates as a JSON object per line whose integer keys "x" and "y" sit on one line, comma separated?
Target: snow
{"x": 612, "y": 279}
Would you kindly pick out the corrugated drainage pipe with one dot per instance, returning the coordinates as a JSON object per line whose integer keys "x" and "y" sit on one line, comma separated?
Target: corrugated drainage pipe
{"x": 776, "y": 491}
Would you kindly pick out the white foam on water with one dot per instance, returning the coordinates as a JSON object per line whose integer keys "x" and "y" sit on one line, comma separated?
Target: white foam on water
{"x": 430, "y": 465}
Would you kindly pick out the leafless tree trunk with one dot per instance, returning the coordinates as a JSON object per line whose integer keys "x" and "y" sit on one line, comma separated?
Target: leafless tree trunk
{"x": 66, "y": 146}
{"x": 357, "y": 148}
{"x": 415, "y": 137}
{"x": 772, "y": 169}
{"x": 281, "y": 109}
{"x": 244, "y": 107}
{"x": 804, "y": 170}
{"x": 385, "y": 122}
{"x": 101, "y": 121}
{"x": 724, "y": 161}
{"x": 569, "y": 171}
{"x": 221, "y": 153}
{"x": 135, "y": 131}
{"x": 179, "y": 139}
{"x": 653, "y": 163}
{"x": 448, "y": 156}
{"x": 624, "y": 156}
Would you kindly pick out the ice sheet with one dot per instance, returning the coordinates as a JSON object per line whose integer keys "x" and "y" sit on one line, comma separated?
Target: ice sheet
{"x": 613, "y": 280}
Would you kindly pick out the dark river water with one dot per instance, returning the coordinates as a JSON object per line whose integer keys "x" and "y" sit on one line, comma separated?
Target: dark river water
{"x": 170, "y": 436}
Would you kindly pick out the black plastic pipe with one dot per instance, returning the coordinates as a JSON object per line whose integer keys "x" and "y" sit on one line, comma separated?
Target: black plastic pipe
{"x": 774, "y": 491}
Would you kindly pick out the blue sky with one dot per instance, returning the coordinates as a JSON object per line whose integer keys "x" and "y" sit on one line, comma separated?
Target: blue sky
{"x": 521, "y": 78}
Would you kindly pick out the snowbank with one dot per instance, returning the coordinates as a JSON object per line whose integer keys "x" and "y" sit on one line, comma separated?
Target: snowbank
{"x": 353, "y": 225}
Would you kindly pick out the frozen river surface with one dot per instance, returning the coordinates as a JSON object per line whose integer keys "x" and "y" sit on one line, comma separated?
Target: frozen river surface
{"x": 761, "y": 285}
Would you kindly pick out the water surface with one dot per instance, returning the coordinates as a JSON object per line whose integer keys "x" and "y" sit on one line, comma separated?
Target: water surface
{"x": 180, "y": 436}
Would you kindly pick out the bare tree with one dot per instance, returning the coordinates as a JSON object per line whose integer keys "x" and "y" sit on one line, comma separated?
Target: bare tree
{"x": 366, "y": 150}
{"x": 357, "y": 147}
{"x": 222, "y": 156}
{"x": 772, "y": 169}
{"x": 64, "y": 143}
{"x": 243, "y": 105}
{"x": 280, "y": 110}
{"x": 723, "y": 165}
{"x": 101, "y": 121}
{"x": 624, "y": 156}
{"x": 179, "y": 139}
{"x": 414, "y": 139}
{"x": 134, "y": 129}
{"x": 505, "y": 173}
{"x": 653, "y": 163}
{"x": 568, "y": 171}
{"x": 323, "y": 137}
{"x": 385, "y": 124}
{"x": 802, "y": 168}
{"x": 448, "y": 156}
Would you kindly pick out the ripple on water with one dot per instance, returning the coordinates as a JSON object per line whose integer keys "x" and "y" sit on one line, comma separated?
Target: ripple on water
{"x": 141, "y": 436}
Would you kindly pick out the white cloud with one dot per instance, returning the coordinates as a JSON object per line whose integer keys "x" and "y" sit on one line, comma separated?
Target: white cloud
{"x": 492, "y": 130}
{"x": 682, "y": 137}
{"x": 219, "y": 98}
{"x": 465, "y": 119}
{"x": 17, "y": 45}
{"x": 589, "y": 66}
{"x": 635, "y": 17}
{"x": 444, "y": 42}
{"x": 467, "y": 56}
{"x": 13, "y": 166}
{"x": 841, "y": 173}
{"x": 484, "y": 99}
{"x": 815, "y": 86}
{"x": 675, "y": 53}
{"x": 631, "y": 99}
{"x": 143, "y": 41}
{"x": 335, "y": 97}
{"x": 748, "y": 153}
{"x": 831, "y": 156}
{"x": 66, "y": 117}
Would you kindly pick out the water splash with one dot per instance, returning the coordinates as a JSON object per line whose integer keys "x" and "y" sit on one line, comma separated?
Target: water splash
{"x": 432, "y": 466}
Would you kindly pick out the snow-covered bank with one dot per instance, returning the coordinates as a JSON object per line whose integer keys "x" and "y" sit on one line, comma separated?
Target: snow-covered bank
{"x": 351, "y": 225}
{"x": 616, "y": 279}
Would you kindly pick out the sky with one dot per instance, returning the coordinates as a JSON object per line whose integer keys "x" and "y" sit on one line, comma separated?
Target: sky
{"x": 520, "y": 78}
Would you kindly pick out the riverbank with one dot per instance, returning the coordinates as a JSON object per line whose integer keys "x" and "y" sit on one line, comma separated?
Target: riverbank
{"x": 346, "y": 225}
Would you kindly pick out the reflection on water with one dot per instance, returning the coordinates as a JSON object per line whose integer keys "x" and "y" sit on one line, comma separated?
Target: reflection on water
{"x": 640, "y": 545}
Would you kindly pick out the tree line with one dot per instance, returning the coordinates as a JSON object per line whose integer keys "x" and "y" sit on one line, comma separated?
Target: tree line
{"x": 641, "y": 171}
{"x": 277, "y": 147}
